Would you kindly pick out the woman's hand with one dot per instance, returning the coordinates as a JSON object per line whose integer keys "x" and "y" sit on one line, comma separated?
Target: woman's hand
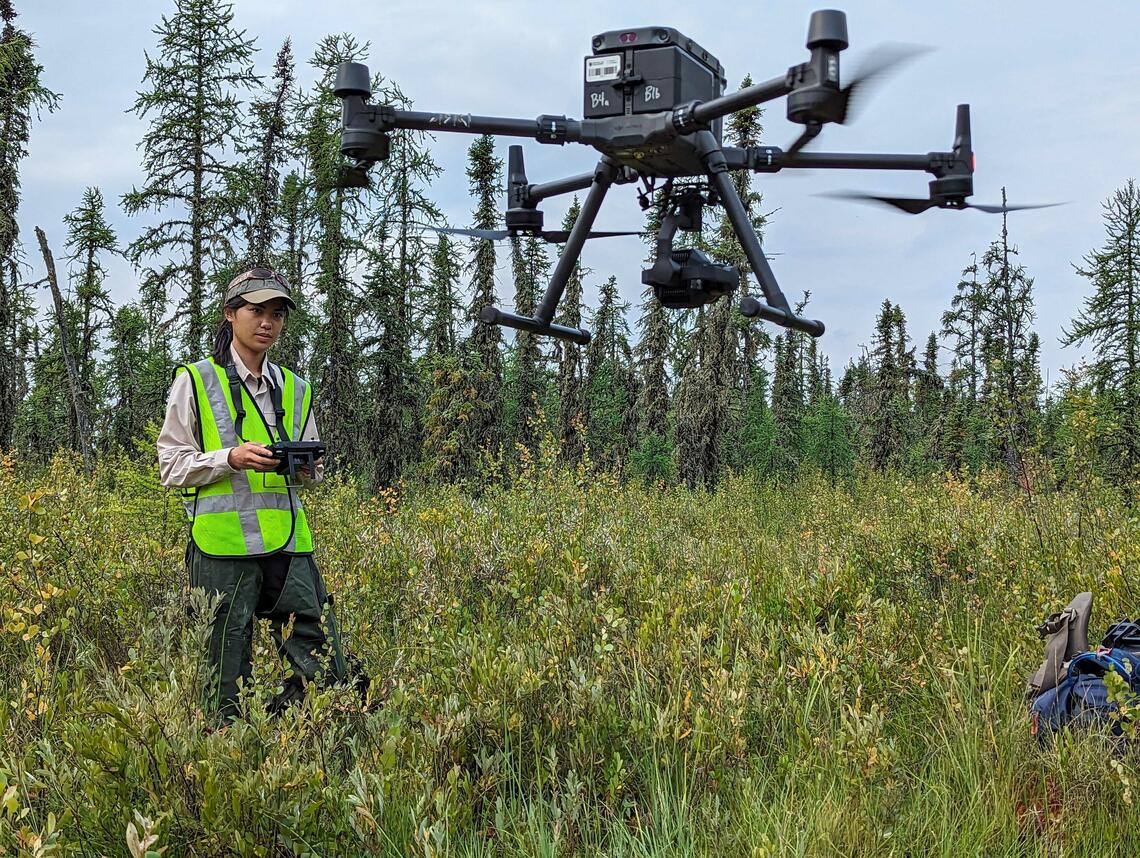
{"x": 252, "y": 457}
{"x": 303, "y": 471}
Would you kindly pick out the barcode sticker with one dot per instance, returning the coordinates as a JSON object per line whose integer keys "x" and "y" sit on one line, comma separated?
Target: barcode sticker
{"x": 602, "y": 68}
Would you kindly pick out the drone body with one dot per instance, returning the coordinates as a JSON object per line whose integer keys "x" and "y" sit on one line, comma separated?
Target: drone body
{"x": 634, "y": 79}
{"x": 653, "y": 106}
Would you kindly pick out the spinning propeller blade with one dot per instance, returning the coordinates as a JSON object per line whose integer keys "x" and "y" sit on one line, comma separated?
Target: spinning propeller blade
{"x": 561, "y": 236}
{"x": 556, "y": 236}
{"x": 990, "y": 209}
{"x": 810, "y": 133}
{"x": 879, "y": 63}
{"x": 844, "y": 104}
{"x": 489, "y": 234}
{"x": 906, "y": 204}
{"x": 911, "y": 205}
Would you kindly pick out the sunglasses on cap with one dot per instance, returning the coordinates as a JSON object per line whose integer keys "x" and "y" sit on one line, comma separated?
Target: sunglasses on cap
{"x": 259, "y": 285}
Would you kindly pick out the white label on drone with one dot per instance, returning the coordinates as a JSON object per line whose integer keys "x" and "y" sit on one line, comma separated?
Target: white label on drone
{"x": 603, "y": 68}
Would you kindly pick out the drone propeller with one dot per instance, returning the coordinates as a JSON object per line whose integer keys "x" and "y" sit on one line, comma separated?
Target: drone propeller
{"x": 911, "y": 205}
{"x": 843, "y": 106}
{"x": 554, "y": 236}
{"x": 880, "y": 62}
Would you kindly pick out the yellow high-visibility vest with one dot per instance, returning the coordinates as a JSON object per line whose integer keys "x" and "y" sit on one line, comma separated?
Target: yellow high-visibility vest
{"x": 249, "y": 514}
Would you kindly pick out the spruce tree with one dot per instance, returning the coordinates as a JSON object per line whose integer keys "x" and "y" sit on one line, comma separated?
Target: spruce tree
{"x": 787, "y": 403}
{"x": 265, "y": 148}
{"x": 89, "y": 239}
{"x": 22, "y": 98}
{"x": 928, "y": 407}
{"x": 826, "y": 436}
{"x": 17, "y": 331}
{"x": 743, "y": 129}
{"x": 1110, "y": 320}
{"x": 400, "y": 258}
{"x": 759, "y": 451}
{"x": 336, "y": 219}
{"x": 442, "y": 304}
{"x": 610, "y": 383}
{"x": 484, "y": 172}
{"x": 44, "y": 421}
{"x": 136, "y": 368}
{"x": 1010, "y": 349}
{"x": 725, "y": 350}
{"x": 893, "y": 367}
{"x": 963, "y": 322}
{"x": 195, "y": 119}
{"x": 525, "y": 384}
{"x": 705, "y": 393}
{"x": 295, "y": 227}
{"x": 571, "y": 383}
{"x": 653, "y": 458}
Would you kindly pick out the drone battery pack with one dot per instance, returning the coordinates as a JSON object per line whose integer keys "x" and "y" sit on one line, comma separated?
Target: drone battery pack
{"x": 670, "y": 78}
{"x": 647, "y": 70}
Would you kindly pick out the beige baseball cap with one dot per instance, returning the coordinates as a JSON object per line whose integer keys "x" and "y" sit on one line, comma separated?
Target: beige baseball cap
{"x": 259, "y": 285}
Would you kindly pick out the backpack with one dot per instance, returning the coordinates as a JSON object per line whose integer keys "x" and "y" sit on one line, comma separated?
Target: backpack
{"x": 1069, "y": 688}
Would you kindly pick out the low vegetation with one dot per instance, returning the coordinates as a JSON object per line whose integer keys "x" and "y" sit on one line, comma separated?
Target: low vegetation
{"x": 570, "y": 667}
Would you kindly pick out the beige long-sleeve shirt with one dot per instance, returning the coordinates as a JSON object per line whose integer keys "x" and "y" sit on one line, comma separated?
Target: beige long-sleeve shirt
{"x": 181, "y": 462}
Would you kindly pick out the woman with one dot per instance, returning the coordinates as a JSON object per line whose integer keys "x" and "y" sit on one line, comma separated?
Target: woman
{"x": 249, "y": 539}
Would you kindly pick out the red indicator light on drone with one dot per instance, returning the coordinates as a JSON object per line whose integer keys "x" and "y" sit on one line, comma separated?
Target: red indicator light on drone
{"x": 627, "y": 38}
{"x": 974, "y": 161}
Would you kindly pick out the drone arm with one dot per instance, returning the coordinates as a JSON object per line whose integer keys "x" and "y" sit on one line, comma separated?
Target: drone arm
{"x": 750, "y": 96}
{"x": 542, "y": 322}
{"x": 772, "y": 159}
{"x": 777, "y": 308}
{"x": 495, "y": 316}
{"x": 384, "y": 118}
{"x": 603, "y": 176}
{"x": 537, "y": 193}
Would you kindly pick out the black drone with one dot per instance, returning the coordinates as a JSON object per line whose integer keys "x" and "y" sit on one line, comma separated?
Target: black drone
{"x": 654, "y": 103}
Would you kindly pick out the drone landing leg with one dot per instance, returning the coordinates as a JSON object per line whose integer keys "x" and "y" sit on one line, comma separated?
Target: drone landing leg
{"x": 777, "y": 309}
{"x": 604, "y": 175}
{"x": 542, "y": 323}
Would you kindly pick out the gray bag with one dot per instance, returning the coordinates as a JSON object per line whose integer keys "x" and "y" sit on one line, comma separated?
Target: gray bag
{"x": 1067, "y": 635}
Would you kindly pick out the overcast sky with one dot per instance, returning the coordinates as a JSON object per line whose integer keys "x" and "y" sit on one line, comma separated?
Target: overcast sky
{"x": 1054, "y": 90}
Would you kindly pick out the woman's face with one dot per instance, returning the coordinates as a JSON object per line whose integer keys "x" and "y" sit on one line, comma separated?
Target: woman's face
{"x": 257, "y": 326}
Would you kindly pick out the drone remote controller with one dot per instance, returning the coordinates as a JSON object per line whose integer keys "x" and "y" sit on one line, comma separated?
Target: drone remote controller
{"x": 295, "y": 455}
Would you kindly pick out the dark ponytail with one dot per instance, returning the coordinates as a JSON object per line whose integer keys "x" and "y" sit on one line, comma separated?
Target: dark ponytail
{"x": 225, "y": 335}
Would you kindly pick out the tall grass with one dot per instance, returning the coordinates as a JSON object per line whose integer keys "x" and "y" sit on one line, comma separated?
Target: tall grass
{"x": 570, "y": 667}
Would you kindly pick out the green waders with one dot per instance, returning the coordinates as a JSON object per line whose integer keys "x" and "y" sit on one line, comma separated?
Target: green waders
{"x": 276, "y": 587}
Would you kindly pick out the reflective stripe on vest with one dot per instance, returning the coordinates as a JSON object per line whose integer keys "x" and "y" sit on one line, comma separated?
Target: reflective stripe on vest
{"x": 248, "y": 513}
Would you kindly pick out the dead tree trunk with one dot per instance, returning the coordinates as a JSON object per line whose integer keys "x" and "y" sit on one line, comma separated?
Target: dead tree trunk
{"x": 68, "y": 361}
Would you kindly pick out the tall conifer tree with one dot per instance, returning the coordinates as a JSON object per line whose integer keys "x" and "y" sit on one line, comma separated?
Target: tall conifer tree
{"x": 525, "y": 383}
{"x": 337, "y": 218}
{"x": 484, "y": 172}
{"x": 571, "y": 382}
{"x": 90, "y": 239}
{"x": 202, "y": 63}
{"x": 22, "y": 98}
{"x": 611, "y": 387}
{"x": 1010, "y": 349}
{"x": 1110, "y": 319}
{"x": 400, "y": 259}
